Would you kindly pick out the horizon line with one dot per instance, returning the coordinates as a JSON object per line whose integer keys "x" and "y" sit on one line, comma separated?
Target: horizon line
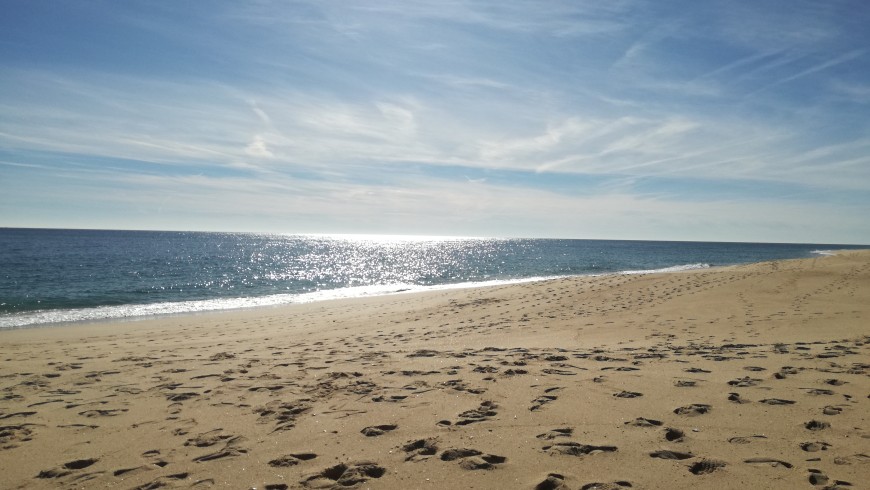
{"x": 418, "y": 237}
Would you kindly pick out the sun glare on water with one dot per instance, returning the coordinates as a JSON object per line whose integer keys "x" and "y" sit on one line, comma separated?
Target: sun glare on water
{"x": 387, "y": 239}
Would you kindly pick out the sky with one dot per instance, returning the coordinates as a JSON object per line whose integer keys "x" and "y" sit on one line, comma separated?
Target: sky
{"x": 724, "y": 120}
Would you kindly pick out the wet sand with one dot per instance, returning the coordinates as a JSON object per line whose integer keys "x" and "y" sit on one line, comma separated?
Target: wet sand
{"x": 752, "y": 376}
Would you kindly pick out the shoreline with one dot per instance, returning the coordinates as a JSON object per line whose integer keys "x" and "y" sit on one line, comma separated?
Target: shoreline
{"x": 270, "y": 301}
{"x": 103, "y": 314}
{"x": 741, "y": 376}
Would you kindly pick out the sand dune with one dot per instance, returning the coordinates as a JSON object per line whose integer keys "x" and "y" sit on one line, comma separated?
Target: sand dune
{"x": 743, "y": 377}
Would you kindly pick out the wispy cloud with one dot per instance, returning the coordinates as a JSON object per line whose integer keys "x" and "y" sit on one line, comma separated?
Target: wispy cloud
{"x": 18, "y": 164}
{"x": 839, "y": 60}
{"x": 491, "y": 116}
{"x": 851, "y": 91}
{"x": 257, "y": 148}
{"x": 560, "y": 18}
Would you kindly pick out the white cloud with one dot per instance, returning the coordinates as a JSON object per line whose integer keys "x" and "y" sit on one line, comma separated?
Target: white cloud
{"x": 514, "y": 151}
{"x": 559, "y": 18}
{"x": 458, "y": 81}
{"x": 326, "y": 95}
{"x": 257, "y": 148}
{"x": 839, "y": 60}
{"x": 851, "y": 91}
{"x": 17, "y": 164}
{"x": 427, "y": 205}
{"x": 209, "y": 126}
{"x": 399, "y": 118}
{"x": 261, "y": 114}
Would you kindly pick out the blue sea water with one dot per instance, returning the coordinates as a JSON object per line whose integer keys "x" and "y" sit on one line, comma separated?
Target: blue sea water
{"x": 53, "y": 276}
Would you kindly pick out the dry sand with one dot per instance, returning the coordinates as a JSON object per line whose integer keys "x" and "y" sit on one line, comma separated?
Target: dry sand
{"x": 743, "y": 377}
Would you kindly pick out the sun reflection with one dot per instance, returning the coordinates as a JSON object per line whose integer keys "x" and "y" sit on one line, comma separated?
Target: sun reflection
{"x": 386, "y": 239}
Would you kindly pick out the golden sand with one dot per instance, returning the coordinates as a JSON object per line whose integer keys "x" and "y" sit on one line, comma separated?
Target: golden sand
{"x": 743, "y": 377}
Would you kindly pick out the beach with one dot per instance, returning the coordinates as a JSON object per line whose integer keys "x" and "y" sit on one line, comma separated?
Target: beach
{"x": 750, "y": 376}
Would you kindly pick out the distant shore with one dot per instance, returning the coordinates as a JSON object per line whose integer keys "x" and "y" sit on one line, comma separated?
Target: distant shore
{"x": 749, "y": 376}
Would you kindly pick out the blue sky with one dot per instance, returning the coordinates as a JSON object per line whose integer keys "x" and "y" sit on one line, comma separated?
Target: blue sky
{"x": 717, "y": 120}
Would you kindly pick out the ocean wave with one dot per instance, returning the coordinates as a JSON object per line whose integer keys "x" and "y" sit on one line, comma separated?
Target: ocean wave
{"x": 823, "y": 252}
{"x": 144, "y": 311}
{"x": 676, "y": 268}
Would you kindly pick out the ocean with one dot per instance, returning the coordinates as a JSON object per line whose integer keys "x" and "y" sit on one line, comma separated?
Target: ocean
{"x": 57, "y": 276}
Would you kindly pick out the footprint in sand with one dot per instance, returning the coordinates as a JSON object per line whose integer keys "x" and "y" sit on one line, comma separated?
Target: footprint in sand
{"x": 423, "y": 353}
{"x": 617, "y": 485}
{"x": 284, "y": 414}
{"x": 126, "y": 472}
{"x": 769, "y": 461}
{"x": 854, "y": 458}
{"x": 819, "y": 391}
{"x": 103, "y": 413}
{"x": 420, "y": 449}
{"x": 784, "y": 372}
{"x": 736, "y": 398}
{"x": 459, "y": 385}
{"x": 163, "y": 481}
{"x": 674, "y": 435}
{"x": 207, "y": 439}
{"x": 485, "y": 411}
{"x": 185, "y": 426}
{"x": 539, "y": 402}
{"x": 744, "y": 382}
{"x": 706, "y": 466}
{"x": 554, "y": 433}
{"x": 67, "y": 468}
{"x": 553, "y": 481}
{"x": 745, "y": 439}
{"x": 817, "y": 477}
{"x": 230, "y": 450}
{"x": 180, "y": 397}
{"x": 627, "y": 394}
{"x": 777, "y": 401}
{"x": 222, "y": 356}
{"x": 391, "y": 398}
{"x": 693, "y": 409}
{"x": 643, "y": 422}
{"x": 816, "y": 425}
{"x": 812, "y": 447}
{"x": 555, "y": 358}
{"x": 665, "y": 454}
{"x": 577, "y": 449}
{"x": 515, "y": 372}
{"x": 344, "y": 475}
{"x": 558, "y": 372}
{"x": 378, "y": 430}
{"x": 11, "y": 435}
{"x": 291, "y": 459}
{"x": 472, "y": 459}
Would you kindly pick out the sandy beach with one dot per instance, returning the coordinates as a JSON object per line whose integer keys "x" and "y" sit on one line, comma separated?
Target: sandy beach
{"x": 750, "y": 376}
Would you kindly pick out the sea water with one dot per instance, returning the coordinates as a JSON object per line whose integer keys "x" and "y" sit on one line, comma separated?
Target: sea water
{"x": 53, "y": 276}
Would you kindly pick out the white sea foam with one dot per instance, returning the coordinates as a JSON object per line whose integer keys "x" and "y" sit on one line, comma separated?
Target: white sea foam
{"x": 142, "y": 311}
{"x": 824, "y": 252}
{"x": 676, "y": 268}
